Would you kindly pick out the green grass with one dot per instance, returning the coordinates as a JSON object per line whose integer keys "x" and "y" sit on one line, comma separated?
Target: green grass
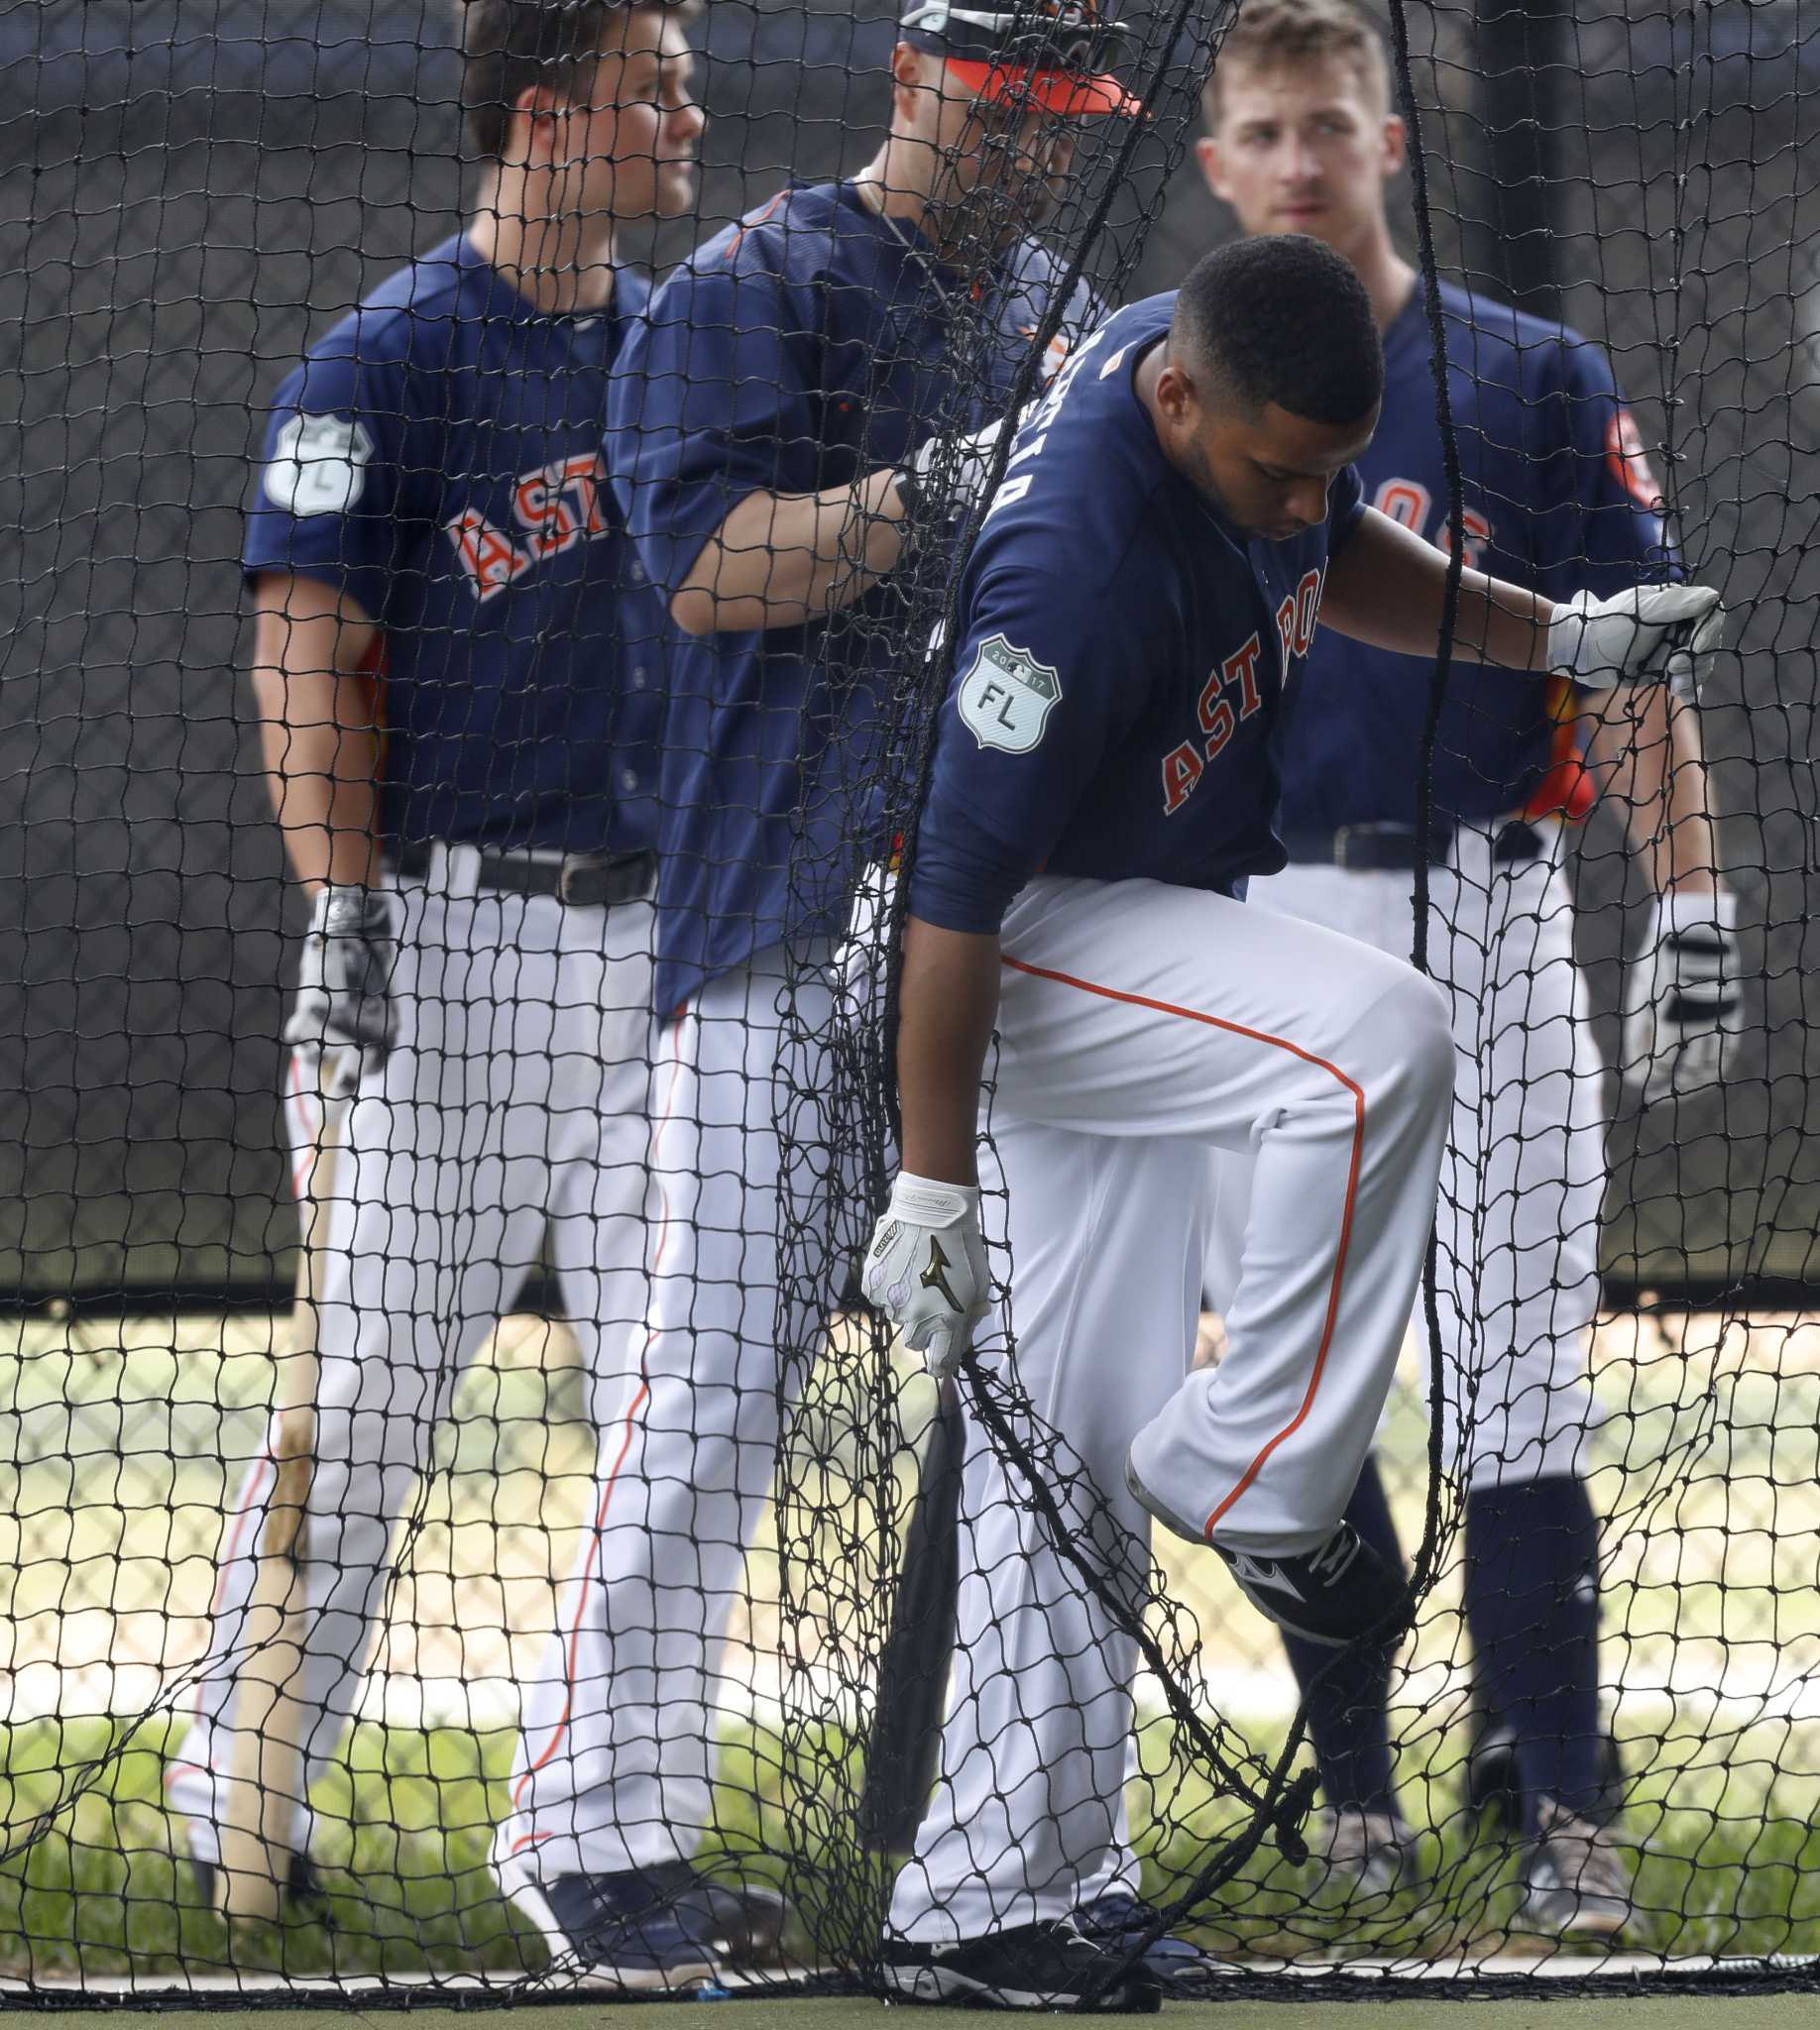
{"x": 124, "y": 1445}
{"x": 405, "y": 1818}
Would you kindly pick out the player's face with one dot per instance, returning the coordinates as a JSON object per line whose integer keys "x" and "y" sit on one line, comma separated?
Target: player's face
{"x": 1267, "y": 472}
{"x": 1304, "y": 148}
{"x": 996, "y": 170}
{"x": 630, "y": 145}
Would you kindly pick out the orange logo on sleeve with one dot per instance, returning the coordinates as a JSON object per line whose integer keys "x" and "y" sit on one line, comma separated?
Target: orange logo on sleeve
{"x": 1628, "y": 463}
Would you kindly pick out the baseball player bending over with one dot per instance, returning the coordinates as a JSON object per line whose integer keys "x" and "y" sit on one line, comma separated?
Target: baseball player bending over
{"x": 455, "y": 659}
{"x": 1176, "y": 514}
{"x": 1558, "y": 494}
{"x": 789, "y": 401}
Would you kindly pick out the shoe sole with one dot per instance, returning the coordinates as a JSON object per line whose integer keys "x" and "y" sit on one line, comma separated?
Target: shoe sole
{"x": 939, "y": 1986}
{"x": 520, "y": 1888}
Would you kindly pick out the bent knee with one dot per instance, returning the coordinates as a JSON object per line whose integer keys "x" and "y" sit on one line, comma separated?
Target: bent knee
{"x": 1407, "y": 1034}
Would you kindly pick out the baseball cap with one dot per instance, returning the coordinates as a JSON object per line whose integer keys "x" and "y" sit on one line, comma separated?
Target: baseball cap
{"x": 1055, "y": 55}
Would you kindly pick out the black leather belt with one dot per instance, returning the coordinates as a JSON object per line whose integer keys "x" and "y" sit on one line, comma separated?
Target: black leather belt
{"x": 1393, "y": 848}
{"x": 585, "y": 880}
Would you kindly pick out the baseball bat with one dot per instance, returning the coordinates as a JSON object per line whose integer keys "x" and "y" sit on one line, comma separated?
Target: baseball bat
{"x": 266, "y": 1765}
{"x": 906, "y": 1738}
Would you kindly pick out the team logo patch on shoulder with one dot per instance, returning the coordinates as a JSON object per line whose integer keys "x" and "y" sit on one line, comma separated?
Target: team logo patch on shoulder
{"x": 319, "y": 465}
{"x": 1005, "y": 698}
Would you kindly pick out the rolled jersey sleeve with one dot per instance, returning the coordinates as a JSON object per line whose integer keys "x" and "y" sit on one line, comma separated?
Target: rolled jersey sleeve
{"x": 326, "y": 505}
{"x": 1609, "y": 532}
{"x": 1041, "y": 692}
{"x": 709, "y": 403}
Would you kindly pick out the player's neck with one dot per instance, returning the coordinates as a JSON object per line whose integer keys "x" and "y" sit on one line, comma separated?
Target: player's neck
{"x": 1389, "y": 279}
{"x": 888, "y": 192}
{"x": 888, "y": 187}
{"x": 557, "y": 265}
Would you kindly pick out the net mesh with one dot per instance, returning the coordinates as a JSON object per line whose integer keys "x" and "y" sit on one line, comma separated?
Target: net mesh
{"x": 188, "y": 212}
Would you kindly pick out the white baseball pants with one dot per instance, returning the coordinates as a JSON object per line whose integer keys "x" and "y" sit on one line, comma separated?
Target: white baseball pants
{"x": 1143, "y": 1026}
{"x": 1523, "y": 1178}
{"x": 516, "y": 1093}
{"x": 615, "y": 1756}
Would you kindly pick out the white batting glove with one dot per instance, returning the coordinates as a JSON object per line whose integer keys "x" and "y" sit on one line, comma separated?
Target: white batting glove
{"x": 344, "y": 978}
{"x": 926, "y": 1269}
{"x": 1650, "y": 633}
{"x": 943, "y": 476}
{"x": 1681, "y": 997}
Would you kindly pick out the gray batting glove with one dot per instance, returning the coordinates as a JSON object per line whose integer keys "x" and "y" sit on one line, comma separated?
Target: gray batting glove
{"x": 926, "y": 1269}
{"x": 1682, "y": 1000}
{"x": 1650, "y": 633}
{"x": 344, "y": 980}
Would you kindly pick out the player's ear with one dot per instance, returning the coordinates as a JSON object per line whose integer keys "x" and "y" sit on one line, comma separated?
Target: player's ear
{"x": 531, "y": 135}
{"x": 1396, "y": 145}
{"x": 1212, "y": 168}
{"x": 909, "y": 81}
{"x": 1176, "y": 394}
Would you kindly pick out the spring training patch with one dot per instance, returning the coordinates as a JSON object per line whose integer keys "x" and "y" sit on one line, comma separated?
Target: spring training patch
{"x": 319, "y": 465}
{"x": 1005, "y": 698}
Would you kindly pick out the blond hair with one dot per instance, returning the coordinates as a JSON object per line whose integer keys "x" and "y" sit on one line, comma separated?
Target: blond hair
{"x": 1271, "y": 35}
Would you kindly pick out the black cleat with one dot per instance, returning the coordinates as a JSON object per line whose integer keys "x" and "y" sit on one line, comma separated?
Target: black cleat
{"x": 744, "y": 1921}
{"x": 1119, "y": 1921}
{"x": 1331, "y": 1594}
{"x": 1034, "y": 1967}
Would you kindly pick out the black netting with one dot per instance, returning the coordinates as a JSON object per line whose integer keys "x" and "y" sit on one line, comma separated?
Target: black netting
{"x": 586, "y": 1525}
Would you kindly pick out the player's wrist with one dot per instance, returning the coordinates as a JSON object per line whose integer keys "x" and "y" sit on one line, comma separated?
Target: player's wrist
{"x": 933, "y": 1201}
{"x": 343, "y": 909}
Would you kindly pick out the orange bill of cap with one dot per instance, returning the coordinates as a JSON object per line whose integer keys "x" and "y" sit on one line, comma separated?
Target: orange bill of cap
{"x": 1050, "y": 91}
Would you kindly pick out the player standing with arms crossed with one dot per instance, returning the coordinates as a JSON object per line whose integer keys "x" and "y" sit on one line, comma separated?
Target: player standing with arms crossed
{"x": 1145, "y": 586}
{"x": 784, "y": 416}
{"x": 456, "y": 663}
{"x": 1558, "y": 494}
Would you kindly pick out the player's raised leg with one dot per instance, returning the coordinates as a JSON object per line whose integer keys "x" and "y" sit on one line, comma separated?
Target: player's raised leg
{"x": 1325, "y": 1061}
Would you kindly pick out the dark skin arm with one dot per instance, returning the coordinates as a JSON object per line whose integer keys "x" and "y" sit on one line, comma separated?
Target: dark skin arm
{"x": 1388, "y": 588}
{"x": 948, "y": 1002}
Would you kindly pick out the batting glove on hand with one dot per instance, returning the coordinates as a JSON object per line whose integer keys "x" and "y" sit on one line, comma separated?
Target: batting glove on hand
{"x": 344, "y": 980}
{"x": 1650, "y": 633}
{"x": 943, "y": 476}
{"x": 1683, "y": 998}
{"x": 926, "y": 1269}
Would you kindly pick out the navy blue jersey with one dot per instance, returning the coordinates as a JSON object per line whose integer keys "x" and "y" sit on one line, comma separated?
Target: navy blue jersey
{"x": 809, "y": 345}
{"x": 437, "y": 455}
{"x": 1557, "y": 496}
{"x": 1125, "y": 658}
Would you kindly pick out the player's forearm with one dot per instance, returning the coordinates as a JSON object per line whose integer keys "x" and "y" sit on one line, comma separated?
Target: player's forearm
{"x": 318, "y": 732}
{"x": 1388, "y": 588}
{"x": 947, "y": 1002}
{"x": 781, "y": 559}
{"x": 321, "y": 768}
{"x": 1646, "y": 748}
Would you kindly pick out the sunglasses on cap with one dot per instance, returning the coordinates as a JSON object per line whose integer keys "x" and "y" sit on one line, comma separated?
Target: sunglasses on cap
{"x": 1054, "y": 56}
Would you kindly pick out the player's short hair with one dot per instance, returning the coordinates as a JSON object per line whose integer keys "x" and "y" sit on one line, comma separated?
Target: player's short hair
{"x": 1271, "y": 35}
{"x": 507, "y": 46}
{"x": 1283, "y": 319}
